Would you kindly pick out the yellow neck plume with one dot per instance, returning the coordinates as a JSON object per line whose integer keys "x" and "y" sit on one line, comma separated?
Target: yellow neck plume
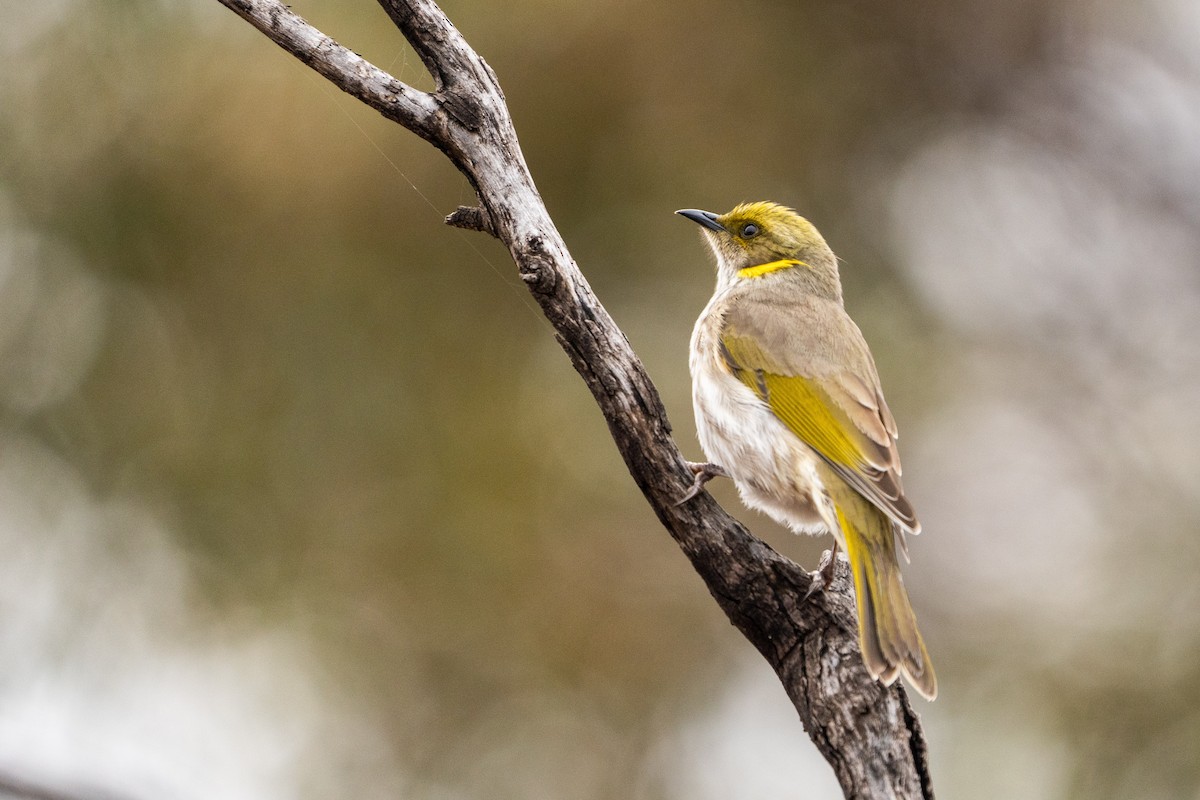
{"x": 758, "y": 270}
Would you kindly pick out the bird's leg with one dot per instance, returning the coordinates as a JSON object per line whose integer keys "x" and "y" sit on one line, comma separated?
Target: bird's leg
{"x": 827, "y": 568}
{"x": 703, "y": 473}
{"x": 823, "y": 576}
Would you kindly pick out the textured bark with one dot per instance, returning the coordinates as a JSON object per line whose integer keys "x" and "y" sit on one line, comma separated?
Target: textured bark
{"x": 868, "y": 733}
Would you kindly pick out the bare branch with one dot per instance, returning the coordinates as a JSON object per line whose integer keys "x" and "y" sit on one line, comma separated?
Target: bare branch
{"x": 347, "y": 70}
{"x": 442, "y": 49}
{"x": 867, "y": 732}
{"x": 471, "y": 218}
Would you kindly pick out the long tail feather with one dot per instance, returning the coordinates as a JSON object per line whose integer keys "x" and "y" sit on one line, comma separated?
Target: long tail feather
{"x": 887, "y": 628}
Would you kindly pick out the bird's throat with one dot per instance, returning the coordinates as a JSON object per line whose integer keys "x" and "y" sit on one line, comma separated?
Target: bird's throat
{"x": 758, "y": 270}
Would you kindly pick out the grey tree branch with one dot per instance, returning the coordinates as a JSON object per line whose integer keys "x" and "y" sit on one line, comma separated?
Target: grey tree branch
{"x": 868, "y": 733}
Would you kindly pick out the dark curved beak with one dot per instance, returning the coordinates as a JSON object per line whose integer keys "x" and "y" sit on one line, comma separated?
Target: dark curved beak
{"x": 705, "y": 218}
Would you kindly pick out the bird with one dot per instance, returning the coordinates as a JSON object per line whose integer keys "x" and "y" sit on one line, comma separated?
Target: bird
{"x": 788, "y": 404}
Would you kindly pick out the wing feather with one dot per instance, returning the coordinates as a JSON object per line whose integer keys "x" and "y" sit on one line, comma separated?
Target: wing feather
{"x": 841, "y": 417}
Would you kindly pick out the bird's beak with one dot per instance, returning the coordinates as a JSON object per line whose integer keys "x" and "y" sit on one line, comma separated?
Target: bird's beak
{"x": 705, "y": 218}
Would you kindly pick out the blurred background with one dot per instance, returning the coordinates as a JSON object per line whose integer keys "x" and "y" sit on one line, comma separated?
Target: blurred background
{"x": 300, "y": 499}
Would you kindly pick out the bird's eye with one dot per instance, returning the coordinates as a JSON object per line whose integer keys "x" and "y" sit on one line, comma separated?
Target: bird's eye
{"x": 749, "y": 230}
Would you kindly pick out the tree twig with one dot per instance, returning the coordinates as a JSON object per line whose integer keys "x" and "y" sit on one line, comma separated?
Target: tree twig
{"x": 867, "y": 732}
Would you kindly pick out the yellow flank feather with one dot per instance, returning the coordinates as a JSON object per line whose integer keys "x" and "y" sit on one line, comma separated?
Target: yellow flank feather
{"x": 795, "y": 401}
{"x": 799, "y": 404}
{"x": 809, "y": 411}
{"x": 759, "y": 270}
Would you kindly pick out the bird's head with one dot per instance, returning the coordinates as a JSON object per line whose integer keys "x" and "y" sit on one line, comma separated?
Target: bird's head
{"x": 757, "y": 240}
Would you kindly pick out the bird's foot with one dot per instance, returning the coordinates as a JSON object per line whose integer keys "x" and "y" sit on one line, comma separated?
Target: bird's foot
{"x": 822, "y": 577}
{"x": 703, "y": 473}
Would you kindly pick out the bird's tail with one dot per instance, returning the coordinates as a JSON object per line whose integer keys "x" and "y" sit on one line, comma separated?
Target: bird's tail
{"x": 887, "y": 628}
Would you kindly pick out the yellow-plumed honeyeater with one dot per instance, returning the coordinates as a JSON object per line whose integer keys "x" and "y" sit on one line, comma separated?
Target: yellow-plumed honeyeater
{"x": 788, "y": 404}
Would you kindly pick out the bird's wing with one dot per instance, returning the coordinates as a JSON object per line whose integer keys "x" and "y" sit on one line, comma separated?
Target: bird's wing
{"x": 842, "y": 416}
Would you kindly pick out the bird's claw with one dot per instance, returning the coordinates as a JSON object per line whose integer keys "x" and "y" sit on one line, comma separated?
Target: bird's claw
{"x": 702, "y": 473}
{"x": 822, "y": 577}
